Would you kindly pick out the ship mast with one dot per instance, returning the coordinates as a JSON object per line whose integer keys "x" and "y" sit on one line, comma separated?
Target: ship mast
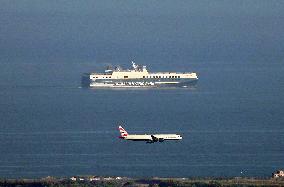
{"x": 134, "y": 65}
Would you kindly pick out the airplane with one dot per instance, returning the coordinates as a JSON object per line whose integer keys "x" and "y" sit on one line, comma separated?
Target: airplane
{"x": 149, "y": 138}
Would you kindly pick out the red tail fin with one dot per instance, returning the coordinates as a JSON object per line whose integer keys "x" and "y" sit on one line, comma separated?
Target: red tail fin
{"x": 123, "y": 132}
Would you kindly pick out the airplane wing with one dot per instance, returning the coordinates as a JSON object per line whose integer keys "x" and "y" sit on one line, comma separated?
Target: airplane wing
{"x": 156, "y": 139}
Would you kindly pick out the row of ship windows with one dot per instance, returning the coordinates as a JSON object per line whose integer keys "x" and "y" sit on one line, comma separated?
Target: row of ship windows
{"x": 102, "y": 77}
{"x": 157, "y": 77}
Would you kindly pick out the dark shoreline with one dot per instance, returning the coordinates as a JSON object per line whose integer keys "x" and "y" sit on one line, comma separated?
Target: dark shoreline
{"x": 156, "y": 181}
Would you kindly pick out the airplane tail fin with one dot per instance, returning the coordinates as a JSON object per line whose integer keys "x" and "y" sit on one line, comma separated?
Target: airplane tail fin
{"x": 123, "y": 132}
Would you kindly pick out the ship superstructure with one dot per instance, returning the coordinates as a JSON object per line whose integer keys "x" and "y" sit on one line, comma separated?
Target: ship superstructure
{"x": 138, "y": 76}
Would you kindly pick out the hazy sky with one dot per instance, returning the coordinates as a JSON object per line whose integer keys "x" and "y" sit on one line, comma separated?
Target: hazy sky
{"x": 44, "y": 30}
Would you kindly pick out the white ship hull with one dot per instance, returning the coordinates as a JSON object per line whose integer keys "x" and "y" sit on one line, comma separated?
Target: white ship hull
{"x": 138, "y": 84}
{"x": 139, "y": 77}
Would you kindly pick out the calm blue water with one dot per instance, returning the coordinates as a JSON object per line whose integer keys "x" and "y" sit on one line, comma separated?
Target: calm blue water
{"x": 231, "y": 122}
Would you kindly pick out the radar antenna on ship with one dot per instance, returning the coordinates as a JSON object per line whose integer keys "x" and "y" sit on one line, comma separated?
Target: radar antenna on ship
{"x": 134, "y": 65}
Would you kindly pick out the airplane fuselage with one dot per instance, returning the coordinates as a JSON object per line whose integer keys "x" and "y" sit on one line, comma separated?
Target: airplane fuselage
{"x": 149, "y": 138}
{"x": 152, "y": 138}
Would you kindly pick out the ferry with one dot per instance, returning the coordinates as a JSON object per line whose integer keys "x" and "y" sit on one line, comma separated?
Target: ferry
{"x": 138, "y": 77}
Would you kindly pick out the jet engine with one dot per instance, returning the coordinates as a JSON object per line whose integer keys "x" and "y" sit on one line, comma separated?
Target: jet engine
{"x": 154, "y": 139}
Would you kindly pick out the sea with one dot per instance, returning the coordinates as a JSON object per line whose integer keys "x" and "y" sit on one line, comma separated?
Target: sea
{"x": 231, "y": 121}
